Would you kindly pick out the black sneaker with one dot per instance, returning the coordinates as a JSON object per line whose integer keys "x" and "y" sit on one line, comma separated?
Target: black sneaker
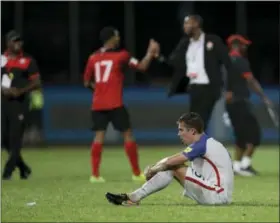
{"x": 120, "y": 199}
{"x": 24, "y": 175}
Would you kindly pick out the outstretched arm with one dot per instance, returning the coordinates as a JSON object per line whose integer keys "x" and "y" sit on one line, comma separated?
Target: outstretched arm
{"x": 143, "y": 65}
{"x": 256, "y": 87}
{"x": 252, "y": 81}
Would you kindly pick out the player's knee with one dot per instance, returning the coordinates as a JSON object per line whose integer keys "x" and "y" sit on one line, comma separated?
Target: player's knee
{"x": 99, "y": 137}
{"x": 256, "y": 142}
{"x": 14, "y": 153}
{"x": 179, "y": 173}
{"x": 128, "y": 136}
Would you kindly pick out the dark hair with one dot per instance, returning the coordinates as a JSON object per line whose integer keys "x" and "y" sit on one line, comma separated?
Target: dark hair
{"x": 192, "y": 120}
{"x": 13, "y": 35}
{"x": 197, "y": 18}
{"x": 107, "y": 33}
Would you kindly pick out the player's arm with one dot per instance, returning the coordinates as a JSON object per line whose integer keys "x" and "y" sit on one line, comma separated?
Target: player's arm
{"x": 170, "y": 163}
{"x": 251, "y": 80}
{"x": 88, "y": 74}
{"x": 189, "y": 154}
{"x": 34, "y": 79}
{"x": 145, "y": 62}
{"x": 143, "y": 65}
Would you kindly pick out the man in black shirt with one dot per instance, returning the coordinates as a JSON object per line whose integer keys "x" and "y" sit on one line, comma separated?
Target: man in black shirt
{"x": 245, "y": 125}
{"x": 19, "y": 76}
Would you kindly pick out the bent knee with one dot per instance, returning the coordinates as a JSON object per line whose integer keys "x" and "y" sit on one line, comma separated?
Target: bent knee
{"x": 128, "y": 136}
{"x": 99, "y": 136}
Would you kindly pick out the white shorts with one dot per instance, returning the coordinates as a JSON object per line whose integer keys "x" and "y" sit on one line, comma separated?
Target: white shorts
{"x": 203, "y": 191}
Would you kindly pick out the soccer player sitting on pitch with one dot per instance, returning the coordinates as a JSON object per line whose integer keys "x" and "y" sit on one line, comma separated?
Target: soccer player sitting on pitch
{"x": 209, "y": 179}
{"x": 104, "y": 75}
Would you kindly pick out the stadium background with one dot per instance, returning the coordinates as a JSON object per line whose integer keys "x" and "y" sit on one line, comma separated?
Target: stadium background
{"x": 61, "y": 35}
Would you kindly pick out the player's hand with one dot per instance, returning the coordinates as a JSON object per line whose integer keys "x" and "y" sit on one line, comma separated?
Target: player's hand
{"x": 13, "y": 92}
{"x": 5, "y": 91}
{"x": 148, "y": 173}
{"x": 154, "y": 48}
{"x": 228, "y": 96}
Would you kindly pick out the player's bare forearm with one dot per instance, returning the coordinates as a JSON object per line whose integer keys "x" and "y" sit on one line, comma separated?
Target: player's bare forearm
{"x": 33, "y": 85}
{"x": 145, "y": 62}
{"x": 255, "y": 86}
{"x": 170, "y": 163}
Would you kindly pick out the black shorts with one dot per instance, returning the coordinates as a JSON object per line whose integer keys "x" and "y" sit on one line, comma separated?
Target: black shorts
{"x": 119, "y": 117}
{"x": 245, "y": 125}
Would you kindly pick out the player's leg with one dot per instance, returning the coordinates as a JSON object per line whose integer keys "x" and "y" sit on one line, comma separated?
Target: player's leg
{"x": 233, "y": 112}
{"x": 158, "y": 182}
{"x": 204, "y": 191}
{"x": 195, "y": 187}
{"x": 100, "y": 122}
{"x": 236, "y": 116}
{"x": 253, "y": 135}
{"x": 4, "y": 129}
{"x": 121, "y": 122}
{"x": 14, "y": 143}
{"x": 24, "y": 170}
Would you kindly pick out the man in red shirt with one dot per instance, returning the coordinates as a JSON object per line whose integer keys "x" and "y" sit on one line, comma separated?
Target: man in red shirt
{"x": 104, "y": 75}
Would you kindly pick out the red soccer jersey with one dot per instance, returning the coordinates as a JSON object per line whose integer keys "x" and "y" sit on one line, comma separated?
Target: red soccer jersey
{"x": 106, "y": 69}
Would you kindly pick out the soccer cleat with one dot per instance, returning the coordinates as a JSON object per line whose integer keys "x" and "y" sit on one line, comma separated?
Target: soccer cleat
{"x": 140, "y": 178}
{"x": 25, "y": 174}
{"x": 120, "y": 199}
{"x": 94, "y": 179}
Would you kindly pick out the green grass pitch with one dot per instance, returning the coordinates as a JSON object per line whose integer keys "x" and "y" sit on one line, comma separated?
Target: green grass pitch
{"x": 62, "y": 192}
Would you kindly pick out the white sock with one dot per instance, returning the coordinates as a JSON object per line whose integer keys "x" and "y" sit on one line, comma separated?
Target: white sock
{"x": 157, "y": 183}
{"x": 246, "y": 162}
{"x": 236, "y": 165}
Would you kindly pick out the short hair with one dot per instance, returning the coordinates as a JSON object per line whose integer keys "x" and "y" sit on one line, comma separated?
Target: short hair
{"x": 107, "y": 33}
{"x": 197, "y": 18}
{"x": 13, "y": 35}
{"x": 192, "y": 120}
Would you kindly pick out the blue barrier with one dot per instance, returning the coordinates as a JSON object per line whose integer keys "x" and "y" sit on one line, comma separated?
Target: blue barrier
{"x": 135, "y": 98}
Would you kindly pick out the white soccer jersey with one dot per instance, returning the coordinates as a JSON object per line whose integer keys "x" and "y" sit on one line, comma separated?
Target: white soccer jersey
{"x": 212, "y": 162}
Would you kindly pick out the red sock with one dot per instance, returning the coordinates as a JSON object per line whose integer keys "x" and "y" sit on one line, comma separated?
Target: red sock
{"x": 96, "y": 151}
{"x": 131, "y": 152}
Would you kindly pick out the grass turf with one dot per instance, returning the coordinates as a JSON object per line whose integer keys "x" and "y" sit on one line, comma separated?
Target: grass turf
{"x": 62, "y": 192}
